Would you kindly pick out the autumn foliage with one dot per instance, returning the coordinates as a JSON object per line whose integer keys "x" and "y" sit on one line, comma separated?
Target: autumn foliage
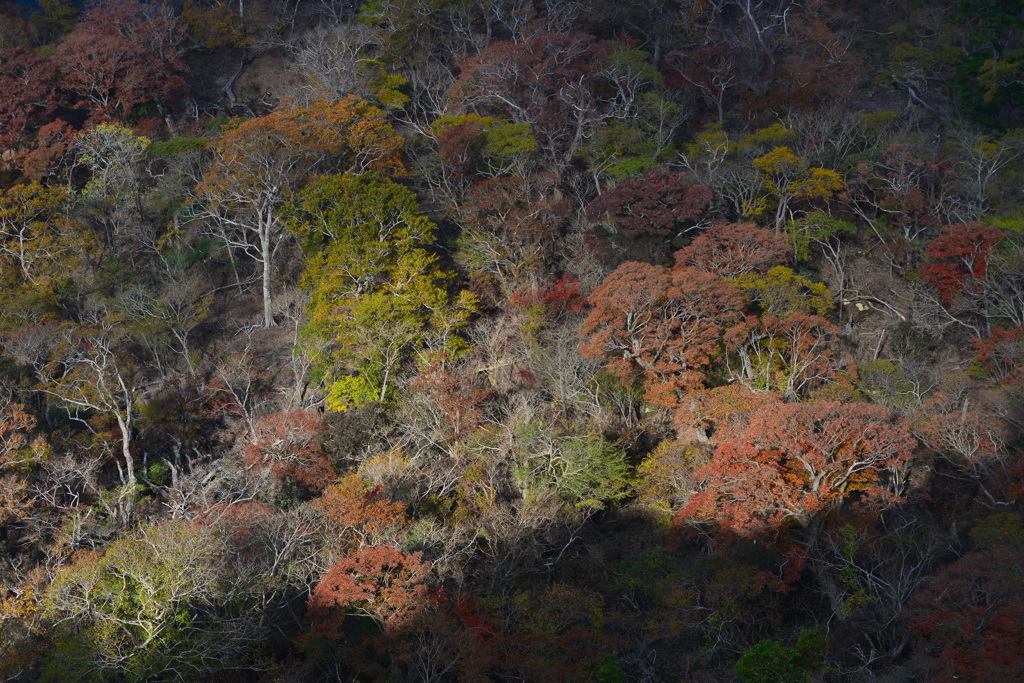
{"x": 286, "y": 443}
{"x": 657, "y": 207}
{"x": 29, "y": 85}
{"x": 957, "y": 260}
{"x": 122, "y": 55}
{"x": 382, "y": 583}
{"x": 733, "y": 249}
{"x": 666, "y": 326}
{"x": 796, "y": 462}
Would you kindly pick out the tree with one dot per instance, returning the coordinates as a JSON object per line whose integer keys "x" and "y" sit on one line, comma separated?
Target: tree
{"x": 30, "y": 95}
{"x": 260, "y": 164}
{"x": 792, "y": 354}
{"x": 654, "y": 208}
{"x": 382, "y": 583}
{"x": 288, "y": 444}
{"x": 969, "y": 616}
{"x": 88, "y": 371}
{"x": 788, "y": 178}
{"x": 782, "y": 292}
{"x": 358, "y": 515}
{"x": 957, "y": 260}
{"x": 798, "y": 461}
{"x": 377, "y": 296}
{"x": 41, "y": 248}
{"x": 819, "y": 233}
{"x": 734, "y": 249}
{"x": 544, "y": 81}
{"x": 121, "y": 55}
{"x": 158, "y": 603}
{"x": 666, "y": 326}
{"x": 473, "y": 146}
{"x": 511, "y": 225}
{"x": 16, "y": 450}
{"x": 900, "y": 193}
{"x": 113, "y": 155}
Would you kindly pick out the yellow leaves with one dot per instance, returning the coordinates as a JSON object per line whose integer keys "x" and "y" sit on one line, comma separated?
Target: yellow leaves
{"x": 280, "y": 150}
{"x": 819, "y": 183}
{"x": 784, "y": 171}
{"x": 348, "y": 392}
{"x": 378, "y": 297}
{"x": 781, "y": 292}
{"x": 786, "y": 177}
{"x": 777, "y": 164}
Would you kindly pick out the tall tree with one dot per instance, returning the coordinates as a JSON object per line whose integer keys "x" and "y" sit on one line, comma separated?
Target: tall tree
{"x": 260, "y": 164}
{"x": 378, "y": 296}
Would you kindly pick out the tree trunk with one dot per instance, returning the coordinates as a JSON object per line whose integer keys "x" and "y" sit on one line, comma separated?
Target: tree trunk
{"x": 126, "y": 452}
{"x": 268, "y": 315}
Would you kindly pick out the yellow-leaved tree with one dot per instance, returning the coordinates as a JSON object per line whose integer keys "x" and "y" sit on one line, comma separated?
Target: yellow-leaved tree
{"x": 379, "y": 298}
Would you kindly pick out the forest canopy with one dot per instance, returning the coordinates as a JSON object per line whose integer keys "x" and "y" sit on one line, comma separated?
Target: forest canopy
{"x": 521, "y": 340}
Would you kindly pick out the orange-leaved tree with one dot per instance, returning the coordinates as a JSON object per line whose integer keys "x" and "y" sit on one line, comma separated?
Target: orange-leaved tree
{"x": 383, "y": 583}
{"x": 665, "y": 325}
{"x": 797, "y": 461}
{"x": 260, "y": 164}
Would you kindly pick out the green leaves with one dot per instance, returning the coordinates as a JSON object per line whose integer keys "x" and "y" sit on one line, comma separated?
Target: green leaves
{"x": 378, "y": 297}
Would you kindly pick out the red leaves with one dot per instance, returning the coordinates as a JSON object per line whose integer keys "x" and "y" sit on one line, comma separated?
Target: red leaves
{"x": 656, "y": 204}
{"x": 972, "y": 616}
{"x": 543, "y": 81}
{"x": 121, "y": 55}
{"x": 562, "y": 297}
{"x": 664, "y": 325}
{"x": 515, "y": 209}
{"x": 1002, "y": 354}
{"x": 287, "y": 443}
{"x": 383, "y": 583}
{"x": 28, "y": 84}
{"x": 957, "y": 259}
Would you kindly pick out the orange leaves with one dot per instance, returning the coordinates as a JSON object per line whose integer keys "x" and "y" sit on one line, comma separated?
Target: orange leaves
{"x": 733, "y": 249}
{"x": 665, "y": 325}
{"x": 295, "y": 140}
{"x": 287, "y": 443}
{"x": 382, "y": 583}
{"x": 797, "y": 461}
{"x": 359, "y": 515}
{"x": 15, "y": 449}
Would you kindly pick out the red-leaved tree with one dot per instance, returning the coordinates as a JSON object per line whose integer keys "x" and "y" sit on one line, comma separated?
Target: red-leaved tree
{"x": 358, "y": 515}
{"x": 958, "y": 259}
{"x": 123, "y": 54}
{"x": 649, "y": 210}
{"x": 28, "y": 83}
{"x": 798, "y": 461}
{"x": 287, "y": 443}
{"x": 970, "y": 617}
